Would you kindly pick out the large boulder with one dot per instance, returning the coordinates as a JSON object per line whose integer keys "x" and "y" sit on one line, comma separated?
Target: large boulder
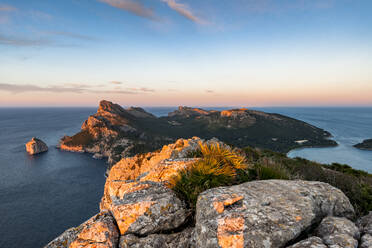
{"x": 149, "y": 207}
{"x": 100, "y": 231}
{"x": 270, "y": 213}
{"x": 35, "y": 146}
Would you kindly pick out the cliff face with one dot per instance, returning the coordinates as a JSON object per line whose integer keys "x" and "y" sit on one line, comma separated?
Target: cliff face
{"x": 140, "y": 209}
{"x": 115, "y": 132}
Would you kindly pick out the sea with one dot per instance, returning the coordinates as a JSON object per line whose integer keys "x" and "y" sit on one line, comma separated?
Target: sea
{"x": 43, "y": 195}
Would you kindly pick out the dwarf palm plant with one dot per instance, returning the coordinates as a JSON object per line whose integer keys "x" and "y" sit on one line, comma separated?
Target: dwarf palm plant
{"x": 217, "y": 166}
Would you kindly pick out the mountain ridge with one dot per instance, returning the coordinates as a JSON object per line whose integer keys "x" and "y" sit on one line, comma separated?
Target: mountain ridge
{"x": 115, "y": 132}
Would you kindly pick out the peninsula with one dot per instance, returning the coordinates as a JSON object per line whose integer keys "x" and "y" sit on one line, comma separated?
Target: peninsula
{"x": 115, "y": 132}
{"x": 365, "y": 145}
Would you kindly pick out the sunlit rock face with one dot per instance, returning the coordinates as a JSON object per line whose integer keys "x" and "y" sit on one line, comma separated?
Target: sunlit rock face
{"x": 115, "y": 132}
{"x": 100, "y": 231}
{"x": 137, "y": 190}
{"x": 265, "y": 213}
{"x": 35, "y": 146}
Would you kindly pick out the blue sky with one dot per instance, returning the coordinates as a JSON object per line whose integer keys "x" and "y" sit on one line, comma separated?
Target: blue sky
{"x": 186, "y": 52}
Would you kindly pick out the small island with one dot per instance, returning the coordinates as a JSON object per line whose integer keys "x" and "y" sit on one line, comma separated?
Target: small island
{"x": 365, "y": 145}
{"x": 36, "y": 146}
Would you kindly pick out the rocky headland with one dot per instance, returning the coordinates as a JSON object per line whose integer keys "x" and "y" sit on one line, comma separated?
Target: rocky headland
{"x": 142, "y": 205}
{"x": 115, "y": 132}
{"x": 365, "y": 145}
{"x": 36, "y": 146}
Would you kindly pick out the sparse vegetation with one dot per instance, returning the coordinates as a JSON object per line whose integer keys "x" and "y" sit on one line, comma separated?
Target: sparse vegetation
{"x": 222, "y": 166}
{"x": 356, "y": 184}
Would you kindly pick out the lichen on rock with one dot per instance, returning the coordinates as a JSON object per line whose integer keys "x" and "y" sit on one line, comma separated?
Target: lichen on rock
{"x": 269, "y": 213}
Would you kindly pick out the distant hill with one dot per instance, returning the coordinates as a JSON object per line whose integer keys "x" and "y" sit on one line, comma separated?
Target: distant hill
{"x": 365, "y": 145}
{"x": 115, "y": 132}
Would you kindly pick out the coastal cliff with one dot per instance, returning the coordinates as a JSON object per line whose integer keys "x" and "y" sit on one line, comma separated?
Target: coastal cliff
{"x": 145, "y": 202}
{"x": 115, "y": 132}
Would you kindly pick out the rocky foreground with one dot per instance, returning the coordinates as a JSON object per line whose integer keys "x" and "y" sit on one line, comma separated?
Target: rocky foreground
{"x": 115, "y": 132}
{"x": 140, "y": 209}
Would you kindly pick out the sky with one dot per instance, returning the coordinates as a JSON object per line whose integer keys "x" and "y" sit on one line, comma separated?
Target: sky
{"x": 186, "y": 52}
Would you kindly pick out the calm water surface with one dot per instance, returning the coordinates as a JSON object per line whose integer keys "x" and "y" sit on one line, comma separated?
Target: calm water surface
{"x": 348, "y": 126}
{"x": 41, "y": 196}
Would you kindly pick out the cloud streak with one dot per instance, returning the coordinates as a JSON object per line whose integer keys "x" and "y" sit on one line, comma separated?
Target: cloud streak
{"x": 20, "y": 41}
{"x": 133, "y": 7}
{"x": 143, "y": 89}
{"x": 71, "y": 35}
{"x": 183, "y": 10}
{"x": 116, "y": 82}
{"x": 6, "y": 8}
{"x": 69, "y": 88}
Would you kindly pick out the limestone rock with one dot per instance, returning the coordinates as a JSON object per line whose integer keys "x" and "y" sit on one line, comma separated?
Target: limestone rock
{"x": 331, "y": 225}
{"x": 340, "y": 240}
{"x": 366, "y": 241}
{"x": 264, "y": 213}
{"x": 65, "y": 239}
{"x": 365, "y": 227}
{"x": 312, "y": 242}
{"x": 99, "y": 231}
{"x": 155, "y": 166}
{"x": 175, "y": 240}
{"x": 338, "y": 231}
{"x": 365, "y": 224}
{"x": 147, "y": 207}
{"x": 35, "y": 146}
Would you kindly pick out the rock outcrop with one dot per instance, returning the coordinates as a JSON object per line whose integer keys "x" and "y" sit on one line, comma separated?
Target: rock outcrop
{"x": 100, "y": 231}
{"x": 115, "y": 132}
{"x": 36, "y": 146}
{"x": 140, "y": 209}
{"x": 265, "y": 214}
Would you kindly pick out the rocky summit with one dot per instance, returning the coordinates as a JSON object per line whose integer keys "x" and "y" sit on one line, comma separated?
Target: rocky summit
{"x": 140, "y": 209}
{"x": 115, "y": 132}
{"x": 35, "y": 146}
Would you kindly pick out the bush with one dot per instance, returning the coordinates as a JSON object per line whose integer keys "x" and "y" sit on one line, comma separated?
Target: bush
{"x": 217, "y": 166}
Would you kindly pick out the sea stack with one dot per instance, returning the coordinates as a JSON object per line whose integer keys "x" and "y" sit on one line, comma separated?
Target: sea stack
{"x": 35, "y": 146}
